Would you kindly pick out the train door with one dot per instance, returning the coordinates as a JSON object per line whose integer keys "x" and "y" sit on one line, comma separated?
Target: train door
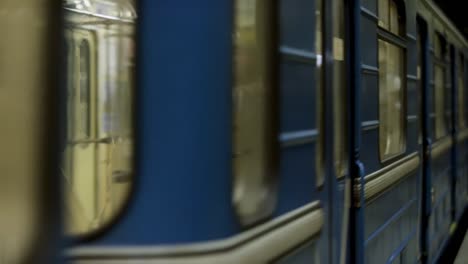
{"x": 387, "y": 160}
{"x": 439, "y": 161}
{"x": 82, "y": 161}
{"x": 458, "y": 134}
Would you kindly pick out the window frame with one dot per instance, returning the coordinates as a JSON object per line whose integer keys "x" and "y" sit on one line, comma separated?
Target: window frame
{"x": 400, "y": 41}
{"x": 442, "y": 62}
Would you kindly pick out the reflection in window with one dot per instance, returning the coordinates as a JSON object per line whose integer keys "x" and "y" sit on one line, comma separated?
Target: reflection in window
{"x": 85, "y": 86}
{"x": 388, "y": 16}
{"x": 439, "y": 87}
{"x": 391, "y": 84}
{"x": 97, "y": 164}
{"x": 391, "y": 108}
{"x": 461, "y": 92}
{"x": 339, "y": 89}
{"x": 253, "y": 135}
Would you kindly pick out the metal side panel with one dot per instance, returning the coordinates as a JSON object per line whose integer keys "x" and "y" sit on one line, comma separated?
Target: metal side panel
{"x": 391, "y": 214}
{"x": 440, "y": 217}
{"x": 462, "y": 172}
{"x": 274, "y": 240}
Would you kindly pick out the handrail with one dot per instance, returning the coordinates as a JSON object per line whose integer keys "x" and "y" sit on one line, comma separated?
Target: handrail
{"x": 106, "y": 17}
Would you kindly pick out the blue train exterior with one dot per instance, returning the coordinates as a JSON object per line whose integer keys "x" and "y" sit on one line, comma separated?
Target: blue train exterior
{"x": 401, "y": 209}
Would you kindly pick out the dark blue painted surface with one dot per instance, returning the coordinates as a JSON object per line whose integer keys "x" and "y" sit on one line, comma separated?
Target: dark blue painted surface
{"x": 296, "y": 186}
{"x": 299, "y": 100}
{"x": 297, "y": 26}
{"x": 298, "y": 96}
{"x": 183, "y": 186}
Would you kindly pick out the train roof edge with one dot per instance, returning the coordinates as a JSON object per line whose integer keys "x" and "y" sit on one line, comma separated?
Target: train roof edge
{"x": 444, "y": 19}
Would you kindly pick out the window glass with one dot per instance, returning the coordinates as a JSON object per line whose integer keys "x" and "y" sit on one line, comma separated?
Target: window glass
{"x": 253, "y": 134}
{"x": 439, "y": 89}
{"x": 461, "y": 94}
{"x": 97, "y": 156}
{"x": 69, "y": 80}
{"x": 391, "y": 83}
{"x": 384, "y": 12}
{"x": 439, "y": 101}
{"x": 391, "y": 108}
{"x": 389, "y": 18}
{"x": 438, "y": 47}
{"x": 339, "y": 89}
{"x": 84, "y": 75}
{"x": 394, "y": 18}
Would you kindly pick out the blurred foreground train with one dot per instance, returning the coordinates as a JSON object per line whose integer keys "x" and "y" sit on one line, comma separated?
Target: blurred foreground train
{"x": 245, "y": 131}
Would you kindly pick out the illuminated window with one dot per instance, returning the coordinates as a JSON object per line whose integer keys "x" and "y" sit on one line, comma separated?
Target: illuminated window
{"x": 391, "y": 58}
{"x": 253, "y": 132}
{"x": 98, "y": 157}
{"x": 389, "y": 17}
{"x": 85, "y": 86}
{"x": 439, "y": 87}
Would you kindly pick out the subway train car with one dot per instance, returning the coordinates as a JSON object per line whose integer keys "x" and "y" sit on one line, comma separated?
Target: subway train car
{"x": 247, "y": 131}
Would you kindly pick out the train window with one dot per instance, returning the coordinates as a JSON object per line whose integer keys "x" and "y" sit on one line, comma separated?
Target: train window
{"x": 461, "y": 94}
{"x": 339, "y": 89}
{"x": 253, "y": 129}
{"x": 419, "y": 75}
{"x": 97, "y": 164}
{"x": 69, "y": 51}
{"x": 439, "y": 87}
{"x": 391, "y": 83}
{"x": 389, "y": 18}
{"x": 85, "y": 86}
